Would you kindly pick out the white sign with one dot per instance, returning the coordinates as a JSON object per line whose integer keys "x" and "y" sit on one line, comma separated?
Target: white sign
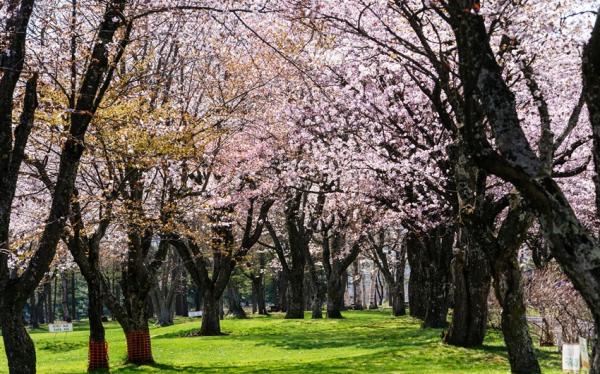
{"x": 60, "y": 327}
{"x": 195, "y": 314}
{"x": 585, "y": 358}
{"x": 570, "y": 357}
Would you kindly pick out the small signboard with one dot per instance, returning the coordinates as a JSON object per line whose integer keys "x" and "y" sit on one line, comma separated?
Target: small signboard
{"x": 195, "y": 314}
{"x": 60, "y": 327}
{"x": 585, "y": 357}
{"x": 571, "y": 357}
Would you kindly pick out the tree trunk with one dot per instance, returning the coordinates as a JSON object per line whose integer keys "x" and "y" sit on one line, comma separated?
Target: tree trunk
{"x": 509, "y": 292}
{"x": 316, "y": 297}
{"x": 211, "y": 323}
{"x": 437, "y": 301}
{"x": 437, "y": 246}
{"x": 48, "y": 298}
{"x": 18, "y": 346}
{"x": 283, "y": 287}
{"x": 33, "y": 315}
{"x": 416, "y": 280}
{"x": 335, "y": 295}
{"x": 261, "y": 300}
{"x": 98, "y": 347}
{"x": 65, "y": 297}
{"x": 254, "y": 280}
{"x": 235, "y": 305}
{"x": 295, "y": 308}
{"x": 181, "y": 306}
{"x": 73, "y": 297}
{"x": 162, "y": 307}
{"x": 397, "y": 298}
{"x": 356, "y": 286}
{"x": 54, "y": 297}
{"x": 41, "y": 301}
{"x": 139, "y": 348}
{"x": 471, "y": 282}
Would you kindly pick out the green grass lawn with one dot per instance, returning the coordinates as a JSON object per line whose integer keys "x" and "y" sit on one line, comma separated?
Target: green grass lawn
{"x": 363, "y": 342}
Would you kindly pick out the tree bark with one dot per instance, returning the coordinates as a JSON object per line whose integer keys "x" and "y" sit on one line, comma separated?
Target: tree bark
{"x": 295, "y": 307}
{"x": 73, "y": 297}
{"x": 397, "y": 298}
{"x": 33, "y": 316}
{"x": 234, "y": 300}
{"x": 162, "y": 308}
{"x": 437, "y": 246}
{"x": 64, "y": 281}
{"x": 509, "y": 292}
{"x": 18, "y": 345}
{"x": 259, "y": 303}
{"x": 416, "y": 280}
{"x": 335, "y": 295}
{"x": 357, "y": 294}
{"x": 49, "y": 302}
{"x": 98, "y": 347}
{"x": 471, "y": 282}
{"x": 211, "y": 321}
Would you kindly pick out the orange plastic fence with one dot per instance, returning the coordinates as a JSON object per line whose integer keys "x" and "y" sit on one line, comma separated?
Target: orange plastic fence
{"x": 97, "y": 355}
{"x": 139, "y": 350}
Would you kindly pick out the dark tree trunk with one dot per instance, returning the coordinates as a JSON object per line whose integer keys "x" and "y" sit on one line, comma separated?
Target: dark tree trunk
{"x": 98, "y": 347}
{"x": 49, "y": 303}
{"x": 235, "y": 304}
{"x": 416, "y": 280}
{"x": 211, "y": 321}
{"x": 255, "y": 285}
{"x": 471, "y": 273}
{"x": 162, "y": 308}
{"x": 283, "y": 291}
{"x": 471, "y": 282}
{"x": 397, "y": 298}
{"x": 73, "y": 297}
{"x": 259, "y": 303}
{"x": 139, "y": 348}
{"x": 509, "y": 291}
{"x": 508, "y": 288}
{"x": 262, "y": 300}
{"x": 357, "y": 298}
{"x": 33, "y": 313}
{"x": 316, "y": 297}
{"x": 66, "y": 316}
{"x": 437, "y": 245}
{"x": 181, "y": 305}
{"x": 41, "y": 302}
{"x": 295, "y": 307}
{"x": 19, "y": 348}
{"x": 571, "y": 243}
{"x": 335, "y": 295}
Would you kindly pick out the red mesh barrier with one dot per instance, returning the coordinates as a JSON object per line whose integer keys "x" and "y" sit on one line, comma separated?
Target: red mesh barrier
{"x": 97, "y": 355}
{"x": 139, "y": 350}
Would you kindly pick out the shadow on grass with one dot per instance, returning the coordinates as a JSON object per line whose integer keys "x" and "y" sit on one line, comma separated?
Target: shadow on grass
{"x": 403, "y": 347}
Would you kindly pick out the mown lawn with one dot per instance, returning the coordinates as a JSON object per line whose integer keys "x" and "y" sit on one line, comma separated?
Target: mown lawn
{"x": 363, "y": 342}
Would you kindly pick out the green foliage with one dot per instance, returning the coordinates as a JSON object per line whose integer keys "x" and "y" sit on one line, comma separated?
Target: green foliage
{"x": 364, "y": 342}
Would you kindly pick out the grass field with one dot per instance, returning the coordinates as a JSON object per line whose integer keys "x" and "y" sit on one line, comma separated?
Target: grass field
{"x": 363, "y": 342}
